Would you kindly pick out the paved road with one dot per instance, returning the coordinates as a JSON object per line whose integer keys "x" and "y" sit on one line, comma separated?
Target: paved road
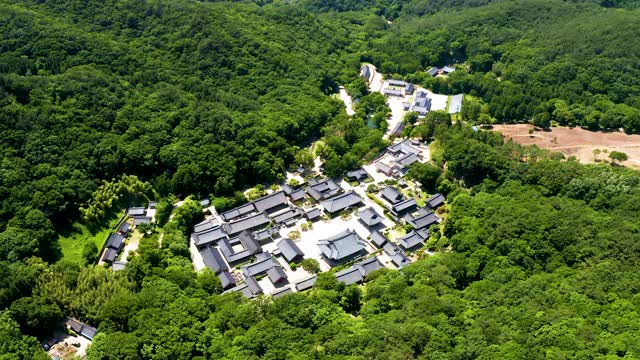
{"x": 346, "y": 99}
{"x": 377, "y": 81}
{"x": 456, "y": 104}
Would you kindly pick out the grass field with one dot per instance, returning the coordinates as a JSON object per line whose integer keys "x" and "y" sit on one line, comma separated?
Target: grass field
{"x": 72, "y": 243}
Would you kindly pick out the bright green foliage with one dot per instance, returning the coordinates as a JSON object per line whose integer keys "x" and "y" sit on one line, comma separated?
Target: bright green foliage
{"x": 310, "y": 265}
{"x": 126, "y": 191}
{"x": 163, "y": 211}
{"x": 82, "y": 292}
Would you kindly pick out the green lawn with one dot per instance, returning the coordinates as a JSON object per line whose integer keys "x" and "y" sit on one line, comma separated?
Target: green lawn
{"x": 72, "y": 244}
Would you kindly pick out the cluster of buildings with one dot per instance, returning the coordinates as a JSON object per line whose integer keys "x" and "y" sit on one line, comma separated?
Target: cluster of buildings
{"x": 446, "y": 70}
{"x": 398, "y": 158}
{"x": 232, "y": 243}
{"x": 116, "y": 241}
{"x": 398, "y": 88}
{"x": 252, "y": 250}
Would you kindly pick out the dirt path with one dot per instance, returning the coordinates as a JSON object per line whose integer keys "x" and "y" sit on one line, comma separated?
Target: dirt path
{"x": 132, "y": 244}
{"x": 577, "y": 142}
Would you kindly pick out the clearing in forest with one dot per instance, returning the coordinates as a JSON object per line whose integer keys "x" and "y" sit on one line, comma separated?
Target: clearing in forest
{"x": 577, "y": 142}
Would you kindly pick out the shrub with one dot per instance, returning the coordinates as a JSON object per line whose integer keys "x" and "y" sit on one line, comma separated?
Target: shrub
{"x": 311, "y": 265}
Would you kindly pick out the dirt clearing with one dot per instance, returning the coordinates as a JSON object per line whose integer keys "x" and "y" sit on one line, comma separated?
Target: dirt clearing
{"x": 577, "y": 142}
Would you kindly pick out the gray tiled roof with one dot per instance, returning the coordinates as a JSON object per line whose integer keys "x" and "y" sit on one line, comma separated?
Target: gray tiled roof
{"x": 88, "y": 332}
{"x": 253, "y": 285}
{"x": 118, "y": 265}
{"x": 407, "y": 159}
{"x": 393, "y": 82}
{"x": 404, "y": 206}
{"x": 226, "y": 280}
{"x": 287, "y": 215}
{"x": 205, "y": 225}
{"x": 368, "y": 266}
{"x": 259, "y": 267}
{"x": 290, "y": 251}
{"x": 413, "y": 239}
{"x": 349, "y": 276}
{"x": 288, "y": 189}
{"x": 404, "y": 147}
{"x": 250, "y": 245}
{"x": 248, "y": 223}
{"x": 423, "y": 220}
{"x": 323, "y": 190}
{"x": 370, "y": 217}
{"x": 74, "y": 324}
{"x": 341, "y": 202}
{"x": 433, "y": 71}
{"x": 124, "y": 228}
{"x": 265, "y": 234}
{"x": 357, "y": 174}
{"x": 110, "y": 255}
{"x": 398, "y": 257}
{"x": 213, "y": 259}
{"x": 312, "y": 214}
{"x": 276, "y": 274}
{"x": 205, "y": 202}
{"x": 306, "y": 283}
{"x": 391, "y": 194}
{"x": 392, "y": 92}
{"x": 378, "y": 239}
{"x": 207, "y": 237}
{"x": 384, "y": 168}
{"x": 397, "y": 130}
{"x": 280, "y": 292}
{"x": 342, "y": 245}
{"x": 448, "y": 69}
{"x": 137, "y": 220}
{"x": 435, "y": 201}
{"x": 136, "y": 211}
{"x": 237, "y": 212}
{"x": 297, "y": 195}
{"x": 81, "y": 328}
{"x": 115, "y": 241}
{"x": 271, "y": 202}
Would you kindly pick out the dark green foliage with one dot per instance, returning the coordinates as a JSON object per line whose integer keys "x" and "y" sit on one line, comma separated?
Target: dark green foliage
{"x": 37, "y": 316}
{"x": 163, "y": 212}
{"x": 200, "y": 99}
{"x": 90, "y": 253}
{"x": 14, "y": 345}
{"x": 617, "y": 156}
{"x": 426, "y": 174}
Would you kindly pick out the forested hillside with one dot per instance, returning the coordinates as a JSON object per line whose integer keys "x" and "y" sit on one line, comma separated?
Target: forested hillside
{"x": 537, "y": 257}
{"x": 541, "y": 60}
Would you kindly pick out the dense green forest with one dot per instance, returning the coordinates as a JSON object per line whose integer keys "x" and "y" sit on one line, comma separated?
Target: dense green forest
{"x": 537, "y": 258}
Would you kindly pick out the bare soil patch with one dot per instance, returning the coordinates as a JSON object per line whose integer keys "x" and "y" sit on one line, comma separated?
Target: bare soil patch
{"x": 576, "y": 142}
